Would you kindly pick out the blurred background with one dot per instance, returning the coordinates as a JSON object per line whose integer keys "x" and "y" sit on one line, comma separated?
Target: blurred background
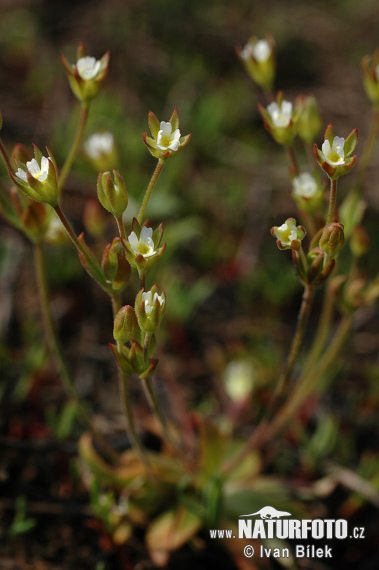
{"x": 232, "y": 295}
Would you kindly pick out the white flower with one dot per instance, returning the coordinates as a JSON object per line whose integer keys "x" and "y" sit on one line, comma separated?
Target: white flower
{"x": 99, "y": 144}
{"x": 304, "y": 185}
{"x": 144, "y": 245}
{"x": 37, "y": 171}
{"x": 281, "y": 116}
{"x": 88, "y": 67}
{"x": 287, "y": 233}
{"x": 166, "y": 139}
{"x": 334, "y": 154}
{"x": 150, "y": 300}
{"x": 262, "y": 50}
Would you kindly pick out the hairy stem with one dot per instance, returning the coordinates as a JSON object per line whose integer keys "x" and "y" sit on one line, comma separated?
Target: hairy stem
{"x": 302, "y": 321}
{"x": 332, "y": 201}
{"x": 120, "y": 226}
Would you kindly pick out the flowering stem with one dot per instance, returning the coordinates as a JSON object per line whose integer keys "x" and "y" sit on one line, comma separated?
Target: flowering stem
{"x": 332, "y": 201}
{"x": 121, "y": 229}
{"x": 302, "y": 320}
{"x": 151, "y": 397}
{"x": 311, "y": 378}
{"x": 369, "y": 147}
{"x": 294, "y": 167}
{"x": 266, "y": 430}
{"x": 5, "y": 156}
{"x": 142, "y": 281}
{"x": 85, "y": 253}
{"x": 322, "y": 330}
{"x": 149, "y": 189}
{"x": 56, "y": 352}
{"x": 74, "y": 149}
{"x": 123, "y": 381}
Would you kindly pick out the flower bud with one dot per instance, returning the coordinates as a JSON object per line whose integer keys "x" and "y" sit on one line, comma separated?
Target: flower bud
{"x": 115, "y": 267}
{"x": 150, "y": 308}
{"x": 101, "y": 151}
{"x": 112, "y": 194}
{"x": 35, "y": 220}
{"x": 289, "y": 236}
{"x": 359, "y": 241}
{"x": 309, "y": 123}
{"x": 38, "y": 178}
{"x": 332, "y": 238}
{"x": 86, "y": 75}
{"x": 307, "y": 192}
{"x": 166, "y": 140}
{"x": 95, "y": 219}
{"x": 125, "y": 325}
{"x": 258, "y": 57}
{"x": 334, "y": 155}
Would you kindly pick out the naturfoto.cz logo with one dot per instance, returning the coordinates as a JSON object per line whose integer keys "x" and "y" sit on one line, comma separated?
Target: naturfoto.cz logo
{"x": 275, "y": 524}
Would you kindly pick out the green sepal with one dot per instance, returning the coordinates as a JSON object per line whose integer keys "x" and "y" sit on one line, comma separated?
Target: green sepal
{"x": 174, "y": 119}
{"x": 153, "y": 363}
{"x": 154, "y": 124}
{"x": 351, "y": 142}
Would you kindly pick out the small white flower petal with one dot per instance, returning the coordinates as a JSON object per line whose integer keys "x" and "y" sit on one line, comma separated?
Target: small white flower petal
{"x": 21, "y": 174}
{"x": 146, "y": 233}
{"x": 99, "y": 144}
{"x": 280, "y": 115}
{"x": 304, "y": 185}
{"x": 133, "y": 240}
{"x": 88, "y": 67}
{"x": 334, "y": 154}
{"x": 262, "y": 50}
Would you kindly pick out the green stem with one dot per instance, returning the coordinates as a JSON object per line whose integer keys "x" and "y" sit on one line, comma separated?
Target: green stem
{"x": 57, "y": 354}
{"x": 142, "y": 281}
{"x": 90, "y": 261}
{"x": 123, "y": 381}
{"x": 120, "y": 226}
{"x": 5, "y": 156}
{"x": 332, "y": 201}
{"x": 149, "y": 189}
{"x": 151, "y": 396}
{"x": 323, "y": 329}
{"x": 74, "y": 149}
{"x": 302, "y": 320}
{"x": 310, "y": 379}
{"x": 368, "y": 149}
{"x": 294, "y": 167}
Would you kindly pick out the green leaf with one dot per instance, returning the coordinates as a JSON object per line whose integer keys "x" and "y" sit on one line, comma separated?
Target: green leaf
{"x": 169, "y": 532}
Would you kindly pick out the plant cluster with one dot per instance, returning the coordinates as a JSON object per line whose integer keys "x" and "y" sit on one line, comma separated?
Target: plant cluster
{"x": 202, "y": 476}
